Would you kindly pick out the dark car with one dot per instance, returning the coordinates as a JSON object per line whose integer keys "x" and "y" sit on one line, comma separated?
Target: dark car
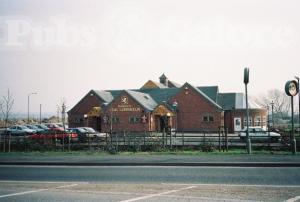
{"x": 81, "y": 132}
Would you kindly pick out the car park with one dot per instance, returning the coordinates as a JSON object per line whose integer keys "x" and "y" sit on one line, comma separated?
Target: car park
{"x": 258, "y": 133}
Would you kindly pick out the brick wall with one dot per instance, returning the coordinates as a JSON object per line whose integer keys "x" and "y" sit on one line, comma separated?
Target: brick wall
{"x": 241, "y": 113}
{"x": 124, "y": 123}
{"x": 191, "y": 108}
{"x": 76, "y": 114}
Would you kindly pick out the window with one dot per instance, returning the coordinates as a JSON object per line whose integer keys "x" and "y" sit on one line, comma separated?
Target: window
{"x": 208, "y": 118}
{"x": 115, "y": 119}
{"x": 245, "y": 121}
{"x": 264, "y": 120}
{"x": 134, "y": 119}
{"x": 257, "y": 121}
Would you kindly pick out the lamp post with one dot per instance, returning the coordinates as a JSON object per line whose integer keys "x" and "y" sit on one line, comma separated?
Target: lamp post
{"x": 246, "y": 81}
{"x": 175, "y": 104}
{"x": 272, "y": 105}
{"x": 28, "y": 102}
{"x": 296, "y": 77}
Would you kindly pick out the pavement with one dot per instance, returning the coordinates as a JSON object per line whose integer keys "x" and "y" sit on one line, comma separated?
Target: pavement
{"x": 240, "y": 160}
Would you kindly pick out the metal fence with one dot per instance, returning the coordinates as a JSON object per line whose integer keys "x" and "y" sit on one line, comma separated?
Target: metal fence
{"x": 144, "y": 141}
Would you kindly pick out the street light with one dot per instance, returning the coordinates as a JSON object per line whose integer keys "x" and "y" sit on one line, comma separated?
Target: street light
{"x": 246, "y": 81}
{"x": 296, "y": 77}
{"x": 28, "y": 105}
{"x": 272, "y": 105}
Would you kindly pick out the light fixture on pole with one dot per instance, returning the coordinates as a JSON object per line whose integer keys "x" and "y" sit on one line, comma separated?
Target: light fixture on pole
{"x": 272, "y": 105}
{"x": 28, "y": 102}
{"x": 246, "y": 81}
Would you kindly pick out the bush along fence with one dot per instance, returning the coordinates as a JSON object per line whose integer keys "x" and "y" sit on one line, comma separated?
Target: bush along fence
{"x": 205, "y": 141}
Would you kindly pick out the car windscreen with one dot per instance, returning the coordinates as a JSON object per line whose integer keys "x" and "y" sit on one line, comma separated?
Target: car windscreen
{"x": 90, "y": 130}
{"x": 82, "y": 130}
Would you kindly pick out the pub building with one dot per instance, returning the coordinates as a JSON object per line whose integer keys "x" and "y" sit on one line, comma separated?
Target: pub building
{"x": 164, "y": 105}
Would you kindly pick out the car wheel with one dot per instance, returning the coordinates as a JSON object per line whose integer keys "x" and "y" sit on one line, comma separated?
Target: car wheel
{"x": 274, "y": 139}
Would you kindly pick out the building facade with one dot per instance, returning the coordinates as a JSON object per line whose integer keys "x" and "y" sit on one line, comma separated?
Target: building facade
{"x": 161, "y": 106}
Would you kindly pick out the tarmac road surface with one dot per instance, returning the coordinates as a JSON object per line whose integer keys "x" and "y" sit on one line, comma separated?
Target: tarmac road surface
{"x": 67, "y": 183}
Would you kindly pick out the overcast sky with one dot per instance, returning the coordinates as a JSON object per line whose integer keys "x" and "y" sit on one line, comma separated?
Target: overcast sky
{"x": 64, "y": 48}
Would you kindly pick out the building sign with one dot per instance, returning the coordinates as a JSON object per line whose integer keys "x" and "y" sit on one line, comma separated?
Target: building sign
{"x": 124, "y": 106}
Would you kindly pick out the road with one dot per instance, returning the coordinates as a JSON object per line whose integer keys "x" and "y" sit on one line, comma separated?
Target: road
{"x": 66, "y": 183}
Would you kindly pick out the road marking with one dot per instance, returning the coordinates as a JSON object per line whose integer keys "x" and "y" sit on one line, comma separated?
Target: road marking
{"x": 65, "y": 186}
{"x": 159, "y": 194}
{"x": 206, "y": 198}
{"x": 35, "y": 191}
{"x": 293, "y": 199}
{"x": 23, "y": 193}
{"x": 236, "y": 185}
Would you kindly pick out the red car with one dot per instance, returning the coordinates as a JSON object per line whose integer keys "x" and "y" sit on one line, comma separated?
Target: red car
{"x": 54, "y": 127}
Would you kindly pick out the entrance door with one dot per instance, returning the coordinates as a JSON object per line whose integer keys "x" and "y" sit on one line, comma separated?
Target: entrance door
{"x": 237, "y": 124}
{"x": 161, "y": 123}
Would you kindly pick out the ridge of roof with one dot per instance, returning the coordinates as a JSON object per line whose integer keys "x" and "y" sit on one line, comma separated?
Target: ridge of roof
{"x": 104, "y": 95}
{"x": 203, "y": 94}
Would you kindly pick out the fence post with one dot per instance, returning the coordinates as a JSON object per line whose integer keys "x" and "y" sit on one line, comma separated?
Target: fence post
{"x": 163, "y": 137}
{"x": 117, "y": 139}
{"x": 124, "y": 139}
{"x": 182, "y": 139}
{"x": 170, "y": 139}
{"x": 226, "y": 138}
{"x": 4, "y": 140}
{"x": 144, "y": 138}
{"x": 219, "y": 139}
{"x": 9, "y": 140}
{"x": 69, "y": 142}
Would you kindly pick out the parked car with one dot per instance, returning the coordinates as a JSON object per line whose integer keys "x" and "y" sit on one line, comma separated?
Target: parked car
{"x": 54, "y": 127}
{"x": 19, "y": 131}
{"x": 42, "y": 126}
{"x": 33, "y": 127}
{"x": 257, "y": 133}
{"x": 94, "y": 134}
{"x": 81, "y": 132}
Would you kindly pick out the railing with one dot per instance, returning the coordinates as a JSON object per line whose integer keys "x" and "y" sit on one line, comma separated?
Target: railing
{"x": 126, "y": 140}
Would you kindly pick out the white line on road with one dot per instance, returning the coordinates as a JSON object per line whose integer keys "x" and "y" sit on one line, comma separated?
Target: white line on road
{"x": 159, "y": 194}
{"x": 293, "y": 199}
{"x": 65, "y": 186}
{"x": 236, "y": 185}
{"x": 22, "y": 193}
{"x": 35, "y": 191}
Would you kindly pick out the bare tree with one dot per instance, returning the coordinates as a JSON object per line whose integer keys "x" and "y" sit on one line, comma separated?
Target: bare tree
{"x": 281, "y": 102}
{"x": 7, "y": 103}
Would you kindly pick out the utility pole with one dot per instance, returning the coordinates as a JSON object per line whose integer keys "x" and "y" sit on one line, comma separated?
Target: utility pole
{"x": 40, "y": 113}
{"x": 29, "y": 105}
